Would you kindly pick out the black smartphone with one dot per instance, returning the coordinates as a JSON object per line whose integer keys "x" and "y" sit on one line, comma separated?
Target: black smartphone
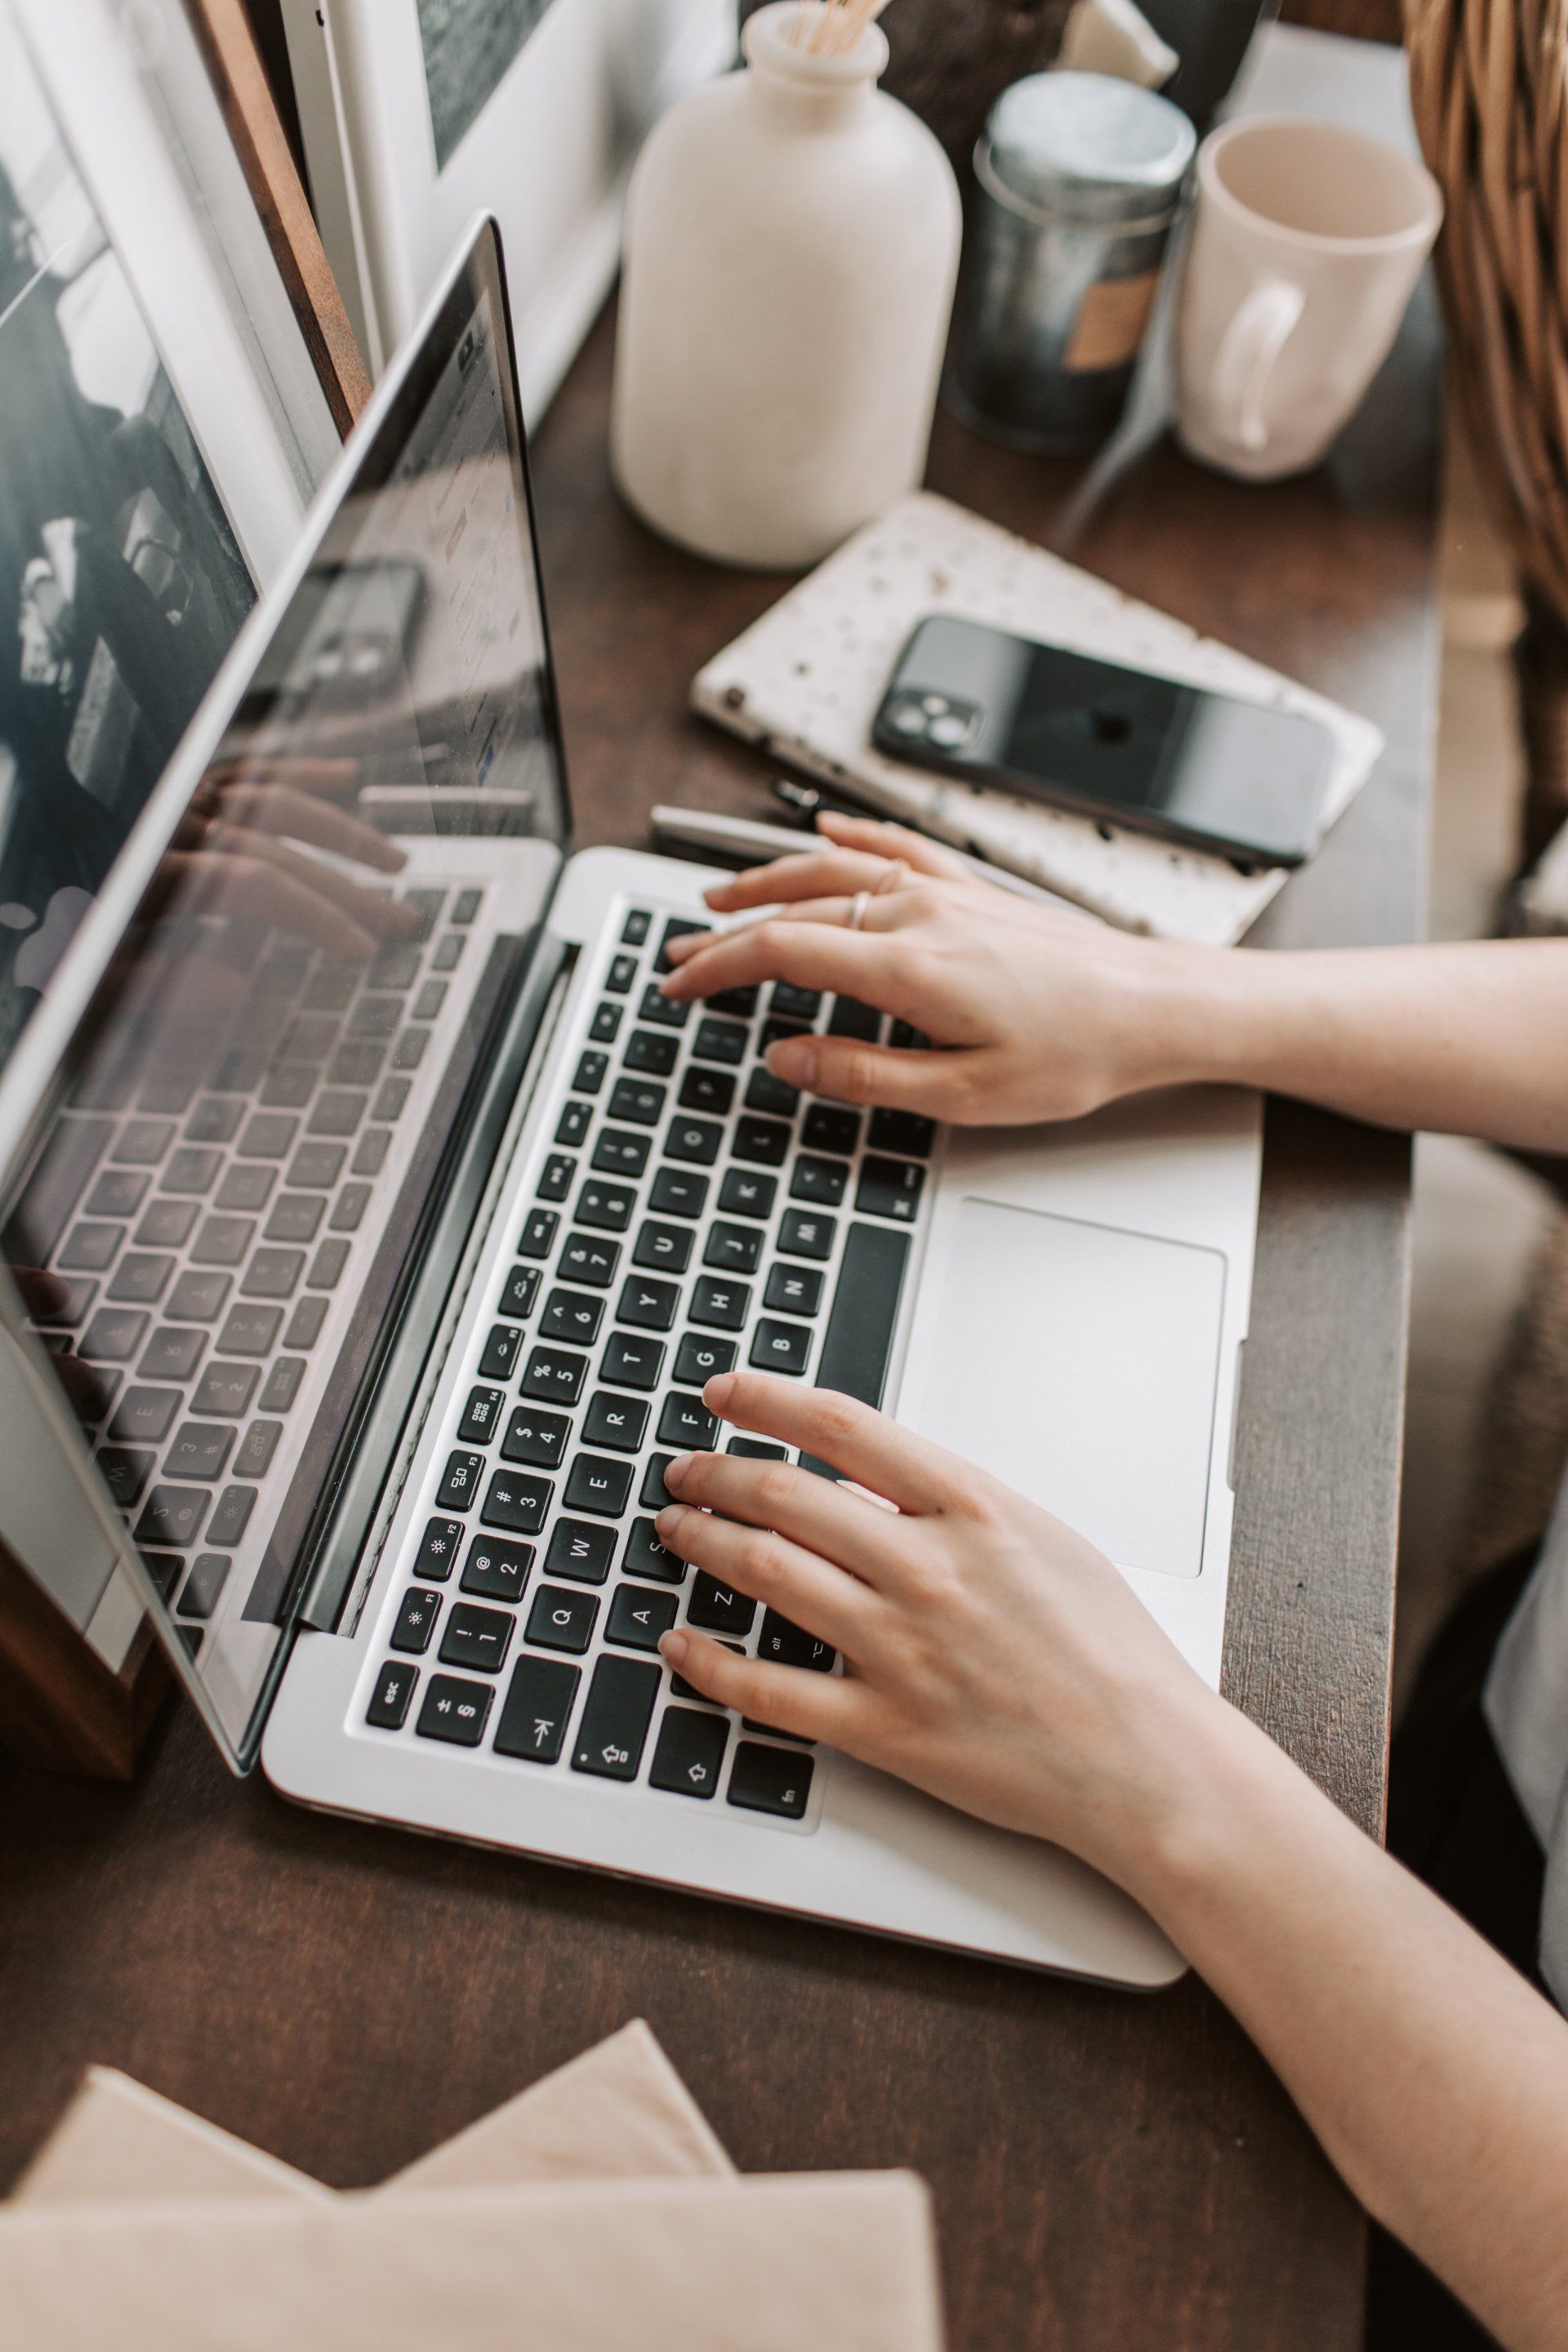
{"x": 987, "y": 707}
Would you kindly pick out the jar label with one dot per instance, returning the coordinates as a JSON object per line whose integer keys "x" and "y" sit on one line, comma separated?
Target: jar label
{"x": 1110, "y": 322}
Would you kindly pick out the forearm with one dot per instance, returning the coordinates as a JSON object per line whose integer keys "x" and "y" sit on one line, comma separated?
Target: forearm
{"x": 1435, "y": 2078}
{"x": 1468, "y": 1039}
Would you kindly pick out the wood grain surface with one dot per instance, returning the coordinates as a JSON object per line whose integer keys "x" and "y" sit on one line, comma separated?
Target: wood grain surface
{"x": 1112, "y": 2173}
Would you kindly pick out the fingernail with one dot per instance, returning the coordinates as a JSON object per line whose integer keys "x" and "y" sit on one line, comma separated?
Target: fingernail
{"x": 677, "y": 1469}
{"x": 795, "y": 1059}
{"x": 673, "y": 1647}
{"x": 718, "y": 1391}
{"x": 668, "y": 1521}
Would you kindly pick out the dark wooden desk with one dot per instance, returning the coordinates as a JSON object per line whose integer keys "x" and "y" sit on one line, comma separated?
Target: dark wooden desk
{"x": 1113, "y": 2174}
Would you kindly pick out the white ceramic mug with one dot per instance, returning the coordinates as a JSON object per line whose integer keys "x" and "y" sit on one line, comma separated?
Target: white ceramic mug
{"x": 1306, "y": 244}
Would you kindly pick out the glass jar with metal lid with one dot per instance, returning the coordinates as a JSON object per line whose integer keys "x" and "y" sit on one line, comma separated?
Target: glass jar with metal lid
{"x": 1079, "y": 179}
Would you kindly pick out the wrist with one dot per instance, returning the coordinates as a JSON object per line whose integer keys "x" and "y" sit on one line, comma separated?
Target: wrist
{"x": 1209, "y": 1015}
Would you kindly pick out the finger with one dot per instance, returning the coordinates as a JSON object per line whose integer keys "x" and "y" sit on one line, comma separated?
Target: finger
{"x": 796, "y": 1504}
{"x": 260, "y": 891}
{"x": 812, "y": 955}
{"x": 782, "y": 1699}
{"x": 381, "y": 914}
{"x": 896, "y": 1078}
{"x": 813, "y": 873}
{"x": 278, "y": 809}
{"x": 839, "y": 1609}
{"x": 42, "y": 1293}
{"x": 304, "y": 774}
{"x": 890, "y": 841}
{"x": 867, "y": 1446}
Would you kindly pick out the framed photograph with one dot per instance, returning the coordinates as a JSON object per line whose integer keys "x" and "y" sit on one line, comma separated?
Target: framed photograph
{"x": 415, "y": 114}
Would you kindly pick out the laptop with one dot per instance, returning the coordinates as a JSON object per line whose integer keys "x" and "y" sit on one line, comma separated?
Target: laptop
{"x": 366, "y": 1294}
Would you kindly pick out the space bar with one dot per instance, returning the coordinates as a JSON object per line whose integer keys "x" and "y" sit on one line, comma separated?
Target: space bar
{"x": 859, "y": 1337}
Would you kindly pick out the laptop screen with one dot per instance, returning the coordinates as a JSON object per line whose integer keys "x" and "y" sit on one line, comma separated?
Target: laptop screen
{"x": 267, "y": 1031}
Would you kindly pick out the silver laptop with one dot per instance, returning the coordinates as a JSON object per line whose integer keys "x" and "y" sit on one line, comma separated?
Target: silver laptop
{"x": 379, "y": 1289}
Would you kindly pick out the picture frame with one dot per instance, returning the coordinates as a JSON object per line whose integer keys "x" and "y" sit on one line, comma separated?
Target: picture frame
{"x": 416, "y": 114}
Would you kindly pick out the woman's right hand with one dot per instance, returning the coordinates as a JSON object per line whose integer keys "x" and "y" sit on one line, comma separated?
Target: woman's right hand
{"x": 1038, "y": 1015}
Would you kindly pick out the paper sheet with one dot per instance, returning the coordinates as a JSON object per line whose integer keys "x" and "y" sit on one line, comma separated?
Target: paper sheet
{"x": 807, "y": 677}
{"x": 620, "y": 2111}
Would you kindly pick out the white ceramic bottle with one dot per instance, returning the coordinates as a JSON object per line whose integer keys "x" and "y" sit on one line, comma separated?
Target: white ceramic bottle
{"x": 791, "y": 242}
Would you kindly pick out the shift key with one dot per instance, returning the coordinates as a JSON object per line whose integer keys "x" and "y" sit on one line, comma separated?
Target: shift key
{"x": 616, "y": 1720}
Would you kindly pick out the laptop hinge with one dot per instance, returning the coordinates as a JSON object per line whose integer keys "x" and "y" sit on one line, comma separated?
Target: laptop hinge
{"x": 373, "y": 1486}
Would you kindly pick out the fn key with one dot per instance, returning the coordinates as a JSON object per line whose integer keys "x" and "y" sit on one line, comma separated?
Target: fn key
{"x": 616, "y": 1720}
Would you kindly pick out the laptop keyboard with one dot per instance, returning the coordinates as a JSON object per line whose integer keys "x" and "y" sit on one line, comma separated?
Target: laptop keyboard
{"x": 208, "y": 1263}
{"x": 690, "y": 1214}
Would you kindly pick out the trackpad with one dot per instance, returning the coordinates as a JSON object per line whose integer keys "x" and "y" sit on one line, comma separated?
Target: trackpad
{"x": 1078, "y": 1363}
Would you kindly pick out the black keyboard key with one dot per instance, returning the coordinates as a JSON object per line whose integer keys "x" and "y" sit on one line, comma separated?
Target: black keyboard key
{"x": 699, "y": 1360}
{"x": 560, "y": 1620}
{"x": 689, "y": 1754}
{"x": 273, "y": 1273}
{"x": 538, "y": 1439}
{"x": 795, "y": 1003}
{"x": 559, "y": 1175}
{"x": 537, "y": 1238}
{"x": 553, "y": 1376}
{"x": 496, "y": 1570}
{"x": 733, "y": 1249}
{"x": 516, "y": 1503}
{"x": 270, "y": 1134}
{"x": 784, "y": 1643}
{"x": 647, "y": 1305}
{"x": 114, "y": 1335}
{"x": 454, "y": 1710}
{"x": 818, "y": 1180}
{"x": 283, "y": 1384}
{"x": 370, "y": 1151}
{"x": 337, "y": 1110}
{"x": 638, "y": 1100}
{"x": 802, "y": 1235}
{"x": 637, "y": 1619}
{"x": 437, "y": 1549}
{"x": 502, "y": 1350}
{"x": 390, "y": 1098}
{"x": 616, "y": 1718}
{"x": 685, "y": 1422}
{"x": 605, "y": 1023}
{"x": 680, "y": 1688}
{"x": 316, "y": 1167}
{"x": 721, "y": 1306}
{"x": 167, "y": 1224}
{"x": 646, "y": 1556}
{"x": 376, "y": 1016}
{"x": 782, "y": 1348}
{"x": 793, "y": 1289}
{"x": 622, "y": 972}
{"x": 890, "y": 1188}
{"x": 850, "y": 1018}
{"x": 904, "y": 1133}
{"x": 395, "y": 967}
{"x": 655, "y": 1006}
{"x": 248, "y": 1185}
{"x": 538, "y": 1708}
{"x": 771, "y": 1779}
{"x": 740, "y": 1001}
{"x": 574, "y": 1123}
{"x": 678, "y": 928}
{"x": 607, "y": 1206}
{"x": 596, "y": 1483}
{"x": 474, "y": 1637}
{"x": 118, "y": 1193}
{"x": 69, "y": 1305}
{"x": 905, "y": 1038}
{"x": 392, "y": 1696}
{"x": 288, "y": 1086}
{"x": 143, "y": 1416}
{"x": 460, "y": 1481}
{"x": 231, "y": 1516}
{"x": 357, "y": 1064}
{"x": 170, "y": 1354}
{"x": 125, "y": 1472}
{"x": 774, "y": 1029}
{"x": 719, "y": 1041}
{"x": 200, "y": 1449}
{"x": 710, "y": 1090}
{"x": 618, "y": 1152}
{"x": 758, "y": 1449}
{"x": 89, "y": 1248}
{"x": 828, "y": 1127}
{"x": 141, "y": 1278}
{"x": 588, "y": 1257}
{"x": 480, "y": 1416}
{"x": 574, "y": 1315}
{"x": 651, "y": 1054}
{"x": 589, "y": 1075}
{"x": 859, "y": 1336}
{"x": 580, "y": 1551}
{"x": 296, "y": 1217}
{"x": 694, "y": 1141}
{"x": 632, "y": 1361}
{"x": 144, "y": 1141}
{"x": 744, "y": 1193}
{"x": 349, "y": 1207}
{"x": 655, "y": 1493}
{"x": 172, "y": 1515}
{"x": 719, "y": 1608}
{"x": 466, "y": 905}
{"x": 214, "y": 1119}
{"x": 762, "y": 1140}
{"x": 765, "y": 1092}
{"x": 663, "y": 1247}
{"x": 519, "y": 1292}
{"x": 679, "y": 1192}
{"x": 203, "y": 1588}
{"x": 635, "y": 930}
{"x": 619, "y": 1423}
{"x": 222, "y": 1241}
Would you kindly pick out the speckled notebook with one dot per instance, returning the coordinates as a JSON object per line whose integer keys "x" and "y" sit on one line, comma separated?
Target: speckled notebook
{"x": 806, "y": 680}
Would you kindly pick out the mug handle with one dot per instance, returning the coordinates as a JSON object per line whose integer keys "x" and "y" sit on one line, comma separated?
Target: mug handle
{"x": 1248, "y": 352}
